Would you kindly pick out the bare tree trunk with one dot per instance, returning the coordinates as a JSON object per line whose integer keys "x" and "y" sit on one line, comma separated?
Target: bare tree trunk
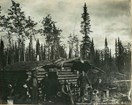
{"x": 7, "y": 57}
{"x": 22, "y": 51}
{"x": 8, "y": 49}
{"x": 49, "y": 53}
{"x": 19, "y": 47}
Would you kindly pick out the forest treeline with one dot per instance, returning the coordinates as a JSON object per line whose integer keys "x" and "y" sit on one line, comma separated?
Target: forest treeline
{"x": 15, "y": 25}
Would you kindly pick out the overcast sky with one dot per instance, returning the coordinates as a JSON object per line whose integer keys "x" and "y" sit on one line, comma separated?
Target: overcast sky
{"x": 109, "y": 18}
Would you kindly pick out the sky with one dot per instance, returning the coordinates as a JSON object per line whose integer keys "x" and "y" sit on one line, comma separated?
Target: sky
{"x": 109, "y": 18}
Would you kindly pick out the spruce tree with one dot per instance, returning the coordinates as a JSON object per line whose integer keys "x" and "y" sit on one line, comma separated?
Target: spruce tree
{"x": 116, "y": 49}
{"x": 106, "y": 51}
{"x": 106, "y": 57}
{"x": 120, "y": 57}
{"x": 92, "y": 53}
{"x": 2, "y": 58}
{"x": 127, "y": 58}
{"x": 102, "y": 58}
{"x": 85, "y": 30}
{"x": 97, "y": 58}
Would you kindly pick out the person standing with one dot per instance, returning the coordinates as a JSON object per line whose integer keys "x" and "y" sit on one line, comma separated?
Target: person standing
{"x": 67, "y": 93}
{"x": 33, "y": 86}
{"x": 82, "y": 82}
{"x": 43, "y": 85}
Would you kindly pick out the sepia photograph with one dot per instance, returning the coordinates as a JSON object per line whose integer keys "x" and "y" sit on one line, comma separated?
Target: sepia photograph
{"x": 65, "y": 52}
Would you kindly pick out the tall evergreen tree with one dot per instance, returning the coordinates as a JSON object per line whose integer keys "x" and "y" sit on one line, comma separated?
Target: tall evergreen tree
{"x": 127, "y": 59}
{"x": 106, "y": 52}
{"x": 92, "y": 53}
{"x": 116, "y": 49}
{"x": 120, "y": 57}
{"x": 2, "y": 58}
{"x": 106, "y": 57}
{"x": 85, "y": 30}
{"x": 102, "y": 58}
{"x": 111, "y": 65}
{"x": 97, "y": 58}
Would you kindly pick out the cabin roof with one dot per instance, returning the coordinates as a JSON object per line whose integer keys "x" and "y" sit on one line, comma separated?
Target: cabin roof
{"x": 25, "y": 66}
{"x": 74, "y": 63}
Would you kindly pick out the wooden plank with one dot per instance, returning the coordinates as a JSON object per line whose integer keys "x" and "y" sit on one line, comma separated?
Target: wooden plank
{"x": 63, "y": 78}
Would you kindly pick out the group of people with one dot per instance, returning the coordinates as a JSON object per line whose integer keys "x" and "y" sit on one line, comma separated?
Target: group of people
{"x": 22, "y": 91}
{"x": 88, "y": 93}
{"x": 28, "y": 90}
{"x": 52, "y": 90}
{"x": 67, "y": 92}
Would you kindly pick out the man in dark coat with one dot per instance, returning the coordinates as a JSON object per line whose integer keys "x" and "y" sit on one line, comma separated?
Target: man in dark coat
{"x": 82, "y": 82}
{"x": 33, "y": 87}
{"x": 43, "y": 86}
